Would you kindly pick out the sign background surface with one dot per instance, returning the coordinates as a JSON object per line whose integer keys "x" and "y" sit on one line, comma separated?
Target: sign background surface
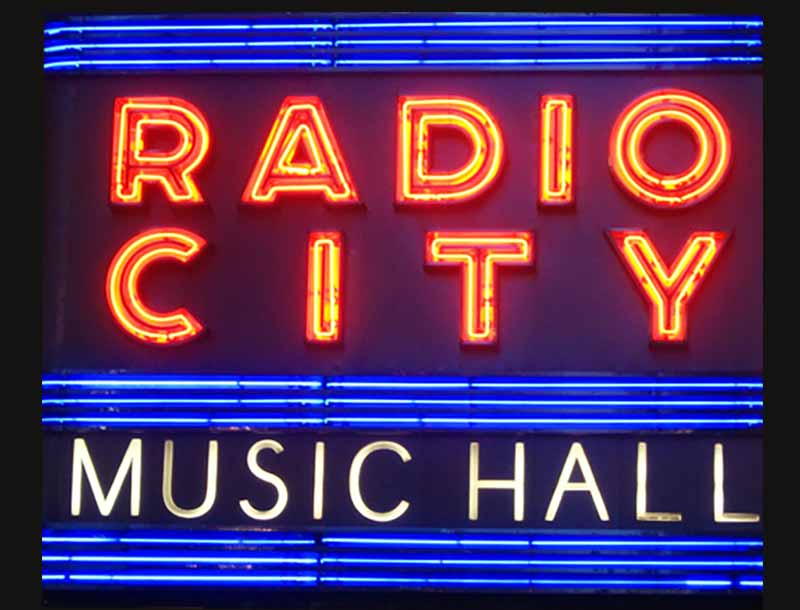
{"x": 576, "y": 311}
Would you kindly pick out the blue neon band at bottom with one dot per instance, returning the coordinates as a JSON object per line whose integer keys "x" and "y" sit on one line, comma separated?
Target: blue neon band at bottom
{"x": 389, "y": 580}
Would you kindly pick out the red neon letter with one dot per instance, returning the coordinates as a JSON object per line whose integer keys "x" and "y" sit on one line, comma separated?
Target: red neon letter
{"x": 626, "y": 156}
{"x": 555, "y": 177}
{"x": 668, "y": 290}
{"x": 132, "y": 164}
{"x": 323, "y": 315}
{"x": 478, "y": 253}
{"x": 416, "y": 183}
{"x": 301, "y": 119}
{"x": 122, "y": 286}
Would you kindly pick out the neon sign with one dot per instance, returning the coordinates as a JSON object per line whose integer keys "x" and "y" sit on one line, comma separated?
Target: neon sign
{"x": 331, "y": 306}
{"x": 302, "y": 157}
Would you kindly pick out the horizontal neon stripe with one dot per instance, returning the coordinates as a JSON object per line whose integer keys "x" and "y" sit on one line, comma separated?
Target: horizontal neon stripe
{"x": 174, "y": 540}
{"x": 572, "y": 562}
{"x": 408, "y": 42}
{"x": 218, "y": 559}
{"x": 751, "y": 583}
{"x": 200, "y": 579}
{"x": 552, "y": 41}
{"x": 149, "y": 577}
{"x": 558, "y": 22}
{"x": 388, "y": 383}
{"x": 183, "y": 383}
{"x": 54, "y": 29}
{"x": 188, "y": 45}
{"x": 565, "y": 61}
{"x": 555, "y": 542}
{"x": 464, "y": 538}
{"x": 435, "y": 561}
{"x": 51, "y": 31}
{"x": 411, "y": 421}
{"x": 186, "y": 62}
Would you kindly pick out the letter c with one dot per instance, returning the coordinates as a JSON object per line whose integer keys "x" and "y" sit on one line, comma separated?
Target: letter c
{"x": 355, "y": 476}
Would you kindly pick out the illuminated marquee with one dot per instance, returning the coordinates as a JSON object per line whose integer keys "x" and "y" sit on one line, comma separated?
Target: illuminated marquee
{"x": 392, "y": 302}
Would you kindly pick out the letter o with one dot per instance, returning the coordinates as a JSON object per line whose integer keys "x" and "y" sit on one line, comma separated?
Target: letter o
{"x": 670, "y": 191}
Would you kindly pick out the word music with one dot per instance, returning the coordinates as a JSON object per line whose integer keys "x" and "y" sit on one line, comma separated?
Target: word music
{"x": 301, "y": 157}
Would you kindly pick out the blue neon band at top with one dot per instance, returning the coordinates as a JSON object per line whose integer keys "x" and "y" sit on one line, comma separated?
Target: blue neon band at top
{"x": 388, "y": 42}
{"x": 476, "y": 23}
